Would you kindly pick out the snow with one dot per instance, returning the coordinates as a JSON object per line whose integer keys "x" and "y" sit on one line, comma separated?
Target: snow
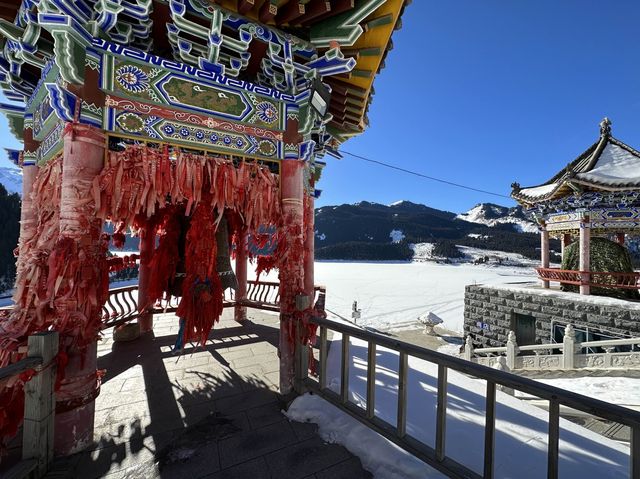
{"x": 422, "y": 251}
{"x": 395, "y": 294}
{"x": 537, "y": 191}
{"x": 616, "y": 390}
{"x": 11, "y": 178}
{"x": 397, "y": 203}
{"x": 477, "y": 236}
{"x": 521, "y": 429}
{"x": 378, "y": 455}
{"x": 477, "y": 215}
{"x": 615, "y": 165}
{"x": 396, "y": 236}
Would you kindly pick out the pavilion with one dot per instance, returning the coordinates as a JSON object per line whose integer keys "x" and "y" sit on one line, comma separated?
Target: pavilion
{"x": 170, "y": 118}
{"x": 597, "y": 194}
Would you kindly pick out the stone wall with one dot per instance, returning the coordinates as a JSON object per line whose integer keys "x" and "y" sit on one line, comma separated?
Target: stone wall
{"x": 489, "y": 313}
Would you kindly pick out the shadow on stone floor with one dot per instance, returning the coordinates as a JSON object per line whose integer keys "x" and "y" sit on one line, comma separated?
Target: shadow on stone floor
{"x": 210, "y": 413}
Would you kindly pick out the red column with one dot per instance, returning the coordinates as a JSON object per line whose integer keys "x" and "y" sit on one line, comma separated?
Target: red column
{"x": 241, "y": 275}
{"x": 309, "y": 245}
{"x": 83, "y": 160}
{"x": 620, "y": 238}
{"x": 566, "y": 241}
{"x": 28, "y": 220}
{"x": 544, "y": 252}
{"x": 585, "y": 257}
{"x": 147, "y": 244}
{"x": 292, "y": 271}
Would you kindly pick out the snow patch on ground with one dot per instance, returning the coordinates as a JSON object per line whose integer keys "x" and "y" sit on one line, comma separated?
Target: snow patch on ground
{"x": 422, "y": 251}
{"x": 378, "y": 455}
{"x": 615, "y": 390}
{"x": 396, "y": 236}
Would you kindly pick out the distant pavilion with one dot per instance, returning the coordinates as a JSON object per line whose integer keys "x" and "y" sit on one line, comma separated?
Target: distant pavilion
{"x": 598, "y": 193}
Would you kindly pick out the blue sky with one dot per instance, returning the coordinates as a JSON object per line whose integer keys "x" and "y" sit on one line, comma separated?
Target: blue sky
{"x": 487, "y": 92}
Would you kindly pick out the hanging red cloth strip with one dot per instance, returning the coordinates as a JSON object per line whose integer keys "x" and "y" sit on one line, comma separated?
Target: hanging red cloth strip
{"x": 202, "y": 295}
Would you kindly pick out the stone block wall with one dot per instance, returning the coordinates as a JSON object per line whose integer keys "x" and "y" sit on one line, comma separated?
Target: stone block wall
{"x": 489, "y": 313}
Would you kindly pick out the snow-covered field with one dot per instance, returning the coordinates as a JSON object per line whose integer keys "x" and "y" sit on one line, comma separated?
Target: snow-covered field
{"x": 393, "y": 295}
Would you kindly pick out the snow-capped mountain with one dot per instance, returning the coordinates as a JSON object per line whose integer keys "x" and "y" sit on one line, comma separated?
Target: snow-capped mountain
{"x": 491, "y": 215}
{"x": 369, "y": 231}
{"x": 11, "y": 179}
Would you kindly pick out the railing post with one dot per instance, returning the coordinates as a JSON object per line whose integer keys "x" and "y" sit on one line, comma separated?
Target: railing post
{"x": 468, "y": 348}
{"x": 569, "y": 348}
{"x": 401, "y": 423}
{"x": 441, "y": 413}
{"x": 489, "y": 430}
{"x": 39, "y": 405}
{"x": 301, "y": 360}
{"x": 371, "y": 379}
{"x": 554, "y": 439}
{"x": 323, "y": 357}
{"x": 635, "y": 452}
{"x": 344, "y": 376}
{"x": 512, "y": 350}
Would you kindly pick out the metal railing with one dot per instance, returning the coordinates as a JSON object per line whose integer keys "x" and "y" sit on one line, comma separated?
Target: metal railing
{"x": 601, "y": 279}
{"x": 437, "y": 457}
{"x": 39, "y": 405}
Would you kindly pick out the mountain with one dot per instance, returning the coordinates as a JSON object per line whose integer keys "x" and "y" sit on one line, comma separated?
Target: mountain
{"x": 491, "y": 215}
{"x": 11, "y": 179}
{"x": 370, "y": 231}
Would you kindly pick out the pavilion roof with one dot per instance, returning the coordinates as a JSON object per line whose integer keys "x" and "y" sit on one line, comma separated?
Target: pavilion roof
{"x": 362, "y": 28}
{"x": 607, "y": 165}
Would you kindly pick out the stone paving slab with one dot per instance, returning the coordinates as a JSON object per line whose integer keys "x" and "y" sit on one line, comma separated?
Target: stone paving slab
{"x": 211, "y": 412}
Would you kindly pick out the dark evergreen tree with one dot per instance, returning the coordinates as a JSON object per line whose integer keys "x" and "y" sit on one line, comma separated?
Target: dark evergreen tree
{"x": 10, "y": 224}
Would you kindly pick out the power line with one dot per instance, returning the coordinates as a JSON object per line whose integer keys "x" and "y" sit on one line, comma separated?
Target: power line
{"x": 415, "y": 173}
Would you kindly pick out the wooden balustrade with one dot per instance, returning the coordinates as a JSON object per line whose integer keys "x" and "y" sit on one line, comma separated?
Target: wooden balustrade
{"x": 601, "y": 279}
{"x": 39, "y": 405}
{"x": 122, "y": 304}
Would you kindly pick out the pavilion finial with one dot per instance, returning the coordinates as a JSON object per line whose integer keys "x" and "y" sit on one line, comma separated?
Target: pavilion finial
{"x": 605, "y": 127}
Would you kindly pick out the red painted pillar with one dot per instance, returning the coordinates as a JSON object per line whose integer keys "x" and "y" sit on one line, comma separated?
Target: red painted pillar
{"x": 83, "y": 159}
{"x": 241, "y": 275}
{"x": 620, "y": 238}
{"x": 292, "y": 271}
{"x": 147, "y": 244}
{"x": 544, "y": 251}
{"x": 585, "y": 258}
{"x": 309, "y": 245}
{"x": 28, "y": 220}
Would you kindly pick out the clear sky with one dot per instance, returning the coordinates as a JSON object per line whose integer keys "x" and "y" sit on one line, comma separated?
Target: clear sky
{"x": 487, "y": 92}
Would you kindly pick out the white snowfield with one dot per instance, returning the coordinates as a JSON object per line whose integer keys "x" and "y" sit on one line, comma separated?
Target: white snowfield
{"x": 521, "y": 429}
{"x": 396, "y": 294}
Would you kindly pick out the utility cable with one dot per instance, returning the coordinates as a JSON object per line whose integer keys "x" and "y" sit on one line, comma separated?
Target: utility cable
{"x": 421, "y": 175}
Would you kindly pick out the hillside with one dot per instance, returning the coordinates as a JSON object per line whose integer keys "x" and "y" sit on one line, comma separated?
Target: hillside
{"x": 358, "y": 231}
{"x": 11, "y": 179}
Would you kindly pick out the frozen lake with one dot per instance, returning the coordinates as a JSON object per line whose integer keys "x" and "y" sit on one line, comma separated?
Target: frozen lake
{"x": 393, "y": 295}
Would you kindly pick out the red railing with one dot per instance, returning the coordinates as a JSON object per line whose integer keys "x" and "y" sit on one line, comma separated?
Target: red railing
{"x": 122, "y": 304}
{"x": 599, "y": 279}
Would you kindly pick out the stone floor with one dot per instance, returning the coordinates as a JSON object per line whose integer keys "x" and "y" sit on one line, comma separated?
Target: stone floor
{"x": 212, "y": 412}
